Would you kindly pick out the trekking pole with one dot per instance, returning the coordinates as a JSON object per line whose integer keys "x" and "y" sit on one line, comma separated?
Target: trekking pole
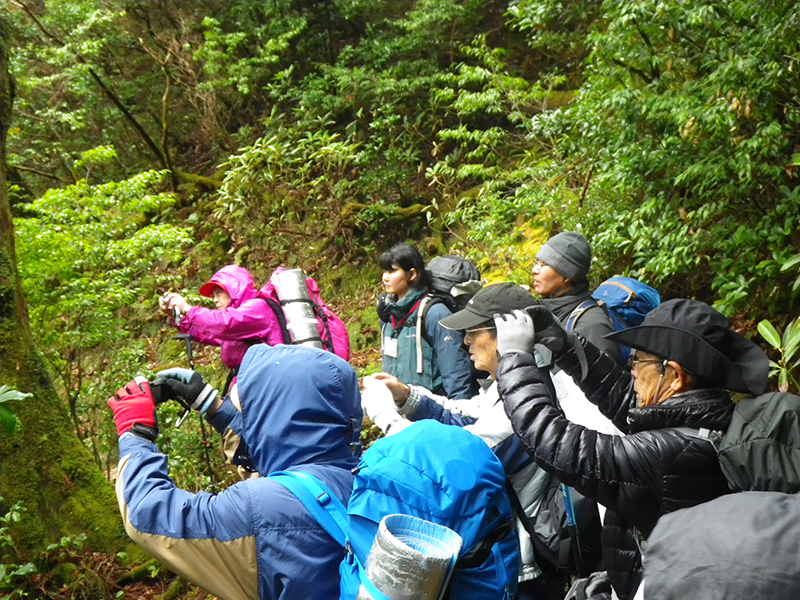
{"x": 188, "y": 341}
{"x": 187, "y": 338}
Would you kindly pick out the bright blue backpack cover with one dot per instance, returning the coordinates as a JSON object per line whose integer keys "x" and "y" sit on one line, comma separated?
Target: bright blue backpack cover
{"x": 445, "y": 475}
{"x": 626, "y": 302}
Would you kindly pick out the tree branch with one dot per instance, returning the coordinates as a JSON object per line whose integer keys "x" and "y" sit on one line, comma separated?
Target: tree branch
{"x": 43, "y": 174}
{"x": 112, "y": 97}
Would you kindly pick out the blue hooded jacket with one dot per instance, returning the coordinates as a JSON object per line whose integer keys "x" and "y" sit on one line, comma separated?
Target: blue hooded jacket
{"x": 300, "y": 410}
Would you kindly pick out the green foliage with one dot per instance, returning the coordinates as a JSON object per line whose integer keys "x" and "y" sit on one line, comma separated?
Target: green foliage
{"x": 686, "y": 113}
{"x": 488, "y": 109}
{"x": 12, "y": 573}
{"x": 8, "y": 422}
{"x": 787, "y": 345}
{"x": 229, "y": 59}
{"x": 59, "y": 109}
{"x": 557, "y": 30}
{"x": 86, "y": 254}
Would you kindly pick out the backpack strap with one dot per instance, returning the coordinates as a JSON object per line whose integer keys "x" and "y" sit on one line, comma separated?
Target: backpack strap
{"x": 623, "y": 287}
{"x": 572, "y": 529}
{"x": 577, "y": 312}
{"x": 328, "y": 511}
{"x": 323, "y": 505}
{"x": 278, "y": 311}
{"x": 423, "y": 306}
{"x": 715, "y": 437}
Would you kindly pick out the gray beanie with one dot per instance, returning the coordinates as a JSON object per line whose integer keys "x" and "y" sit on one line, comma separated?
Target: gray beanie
{"x": 569, "y": 254}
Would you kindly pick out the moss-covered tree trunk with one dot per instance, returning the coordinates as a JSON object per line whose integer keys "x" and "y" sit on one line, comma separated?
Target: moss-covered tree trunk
{"x": 43, "y": 464}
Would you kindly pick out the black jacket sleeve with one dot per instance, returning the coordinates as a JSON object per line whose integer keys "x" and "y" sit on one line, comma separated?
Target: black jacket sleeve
{"x": 622, "y": 473}
{"x": 606, "y": 384}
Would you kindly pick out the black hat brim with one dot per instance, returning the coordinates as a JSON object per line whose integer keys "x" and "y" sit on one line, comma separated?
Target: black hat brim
{"x": 744, "y": 368}
{"x": 463, "y": 319}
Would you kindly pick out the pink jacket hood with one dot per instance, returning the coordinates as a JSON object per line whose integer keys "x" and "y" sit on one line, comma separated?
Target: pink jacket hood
{"x": 237, "y": 281}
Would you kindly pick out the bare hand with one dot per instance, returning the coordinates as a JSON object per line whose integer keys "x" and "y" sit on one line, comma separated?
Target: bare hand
{"x": 170, "y": 301}
{"x": 400, "y": 390}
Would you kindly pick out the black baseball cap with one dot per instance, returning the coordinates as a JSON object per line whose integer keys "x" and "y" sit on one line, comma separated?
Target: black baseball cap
{"x": 499, "y": 298}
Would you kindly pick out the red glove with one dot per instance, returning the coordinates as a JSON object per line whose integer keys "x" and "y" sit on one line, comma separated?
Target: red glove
{"x": 134, "y": 409}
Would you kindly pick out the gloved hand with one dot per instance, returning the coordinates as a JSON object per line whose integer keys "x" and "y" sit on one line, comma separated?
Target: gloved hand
{"x": 186, "y": 386}
{"x": 134, "y": 409}
{"x": 378, "y": 404}
{"x": 400, "y": 391}
{"x": 515, "y": 333}
{"x": 549, "y": 331}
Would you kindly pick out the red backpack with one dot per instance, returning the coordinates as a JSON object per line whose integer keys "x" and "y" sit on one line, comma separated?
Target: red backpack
{"x": 331, "y": 334}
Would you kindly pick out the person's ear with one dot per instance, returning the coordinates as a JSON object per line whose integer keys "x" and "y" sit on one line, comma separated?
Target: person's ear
{"x": 680, "y": 380}
{"x": 412, "y": 275}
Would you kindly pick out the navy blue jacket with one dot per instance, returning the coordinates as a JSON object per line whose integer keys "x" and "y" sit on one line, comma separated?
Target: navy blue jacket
{"x": 301, "y": 410}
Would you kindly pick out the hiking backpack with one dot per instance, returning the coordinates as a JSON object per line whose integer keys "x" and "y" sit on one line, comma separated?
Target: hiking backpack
{"x": 332, "y": 331}
{"x": 565, "y": 532}
{"x": 625, "y": 300}
{"x": 436, "y": 472}
{"x": 454, "y": 280}
{"x": 761, "y": 449}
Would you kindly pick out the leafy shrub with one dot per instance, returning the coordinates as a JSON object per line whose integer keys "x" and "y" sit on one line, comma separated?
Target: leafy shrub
{"x": 86, "y": 256}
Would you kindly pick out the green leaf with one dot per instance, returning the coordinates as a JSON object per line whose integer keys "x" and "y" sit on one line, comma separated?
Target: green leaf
{"x": 783, "y": 378}
{"x": 26, "y": 569}
{"x": 791, "y": 339}
{"x": 768, "y": 332}
{"x": 796, "y": 159}
{"x": 8, "y": 422}
{"x": 790, "y": 263}
{"x": 9, "y": 393}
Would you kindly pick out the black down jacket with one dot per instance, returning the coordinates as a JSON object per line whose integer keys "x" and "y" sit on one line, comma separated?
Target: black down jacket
{"x": 652, "y": 470}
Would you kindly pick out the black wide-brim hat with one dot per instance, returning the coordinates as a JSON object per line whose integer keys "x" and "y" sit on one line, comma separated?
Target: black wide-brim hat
{"x": 700, "y": 340}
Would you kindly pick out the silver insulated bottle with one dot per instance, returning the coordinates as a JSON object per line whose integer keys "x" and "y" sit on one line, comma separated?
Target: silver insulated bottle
{"x": 411, "y": 559}
{"x": 290, "y": 286}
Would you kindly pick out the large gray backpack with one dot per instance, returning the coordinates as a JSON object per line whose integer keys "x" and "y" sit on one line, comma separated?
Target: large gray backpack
{"x": 454, "y": 280}
{"x": 761, "y": 449}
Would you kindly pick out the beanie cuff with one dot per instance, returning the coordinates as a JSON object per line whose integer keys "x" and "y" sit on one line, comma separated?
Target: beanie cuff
{"x": 568, "y": 269}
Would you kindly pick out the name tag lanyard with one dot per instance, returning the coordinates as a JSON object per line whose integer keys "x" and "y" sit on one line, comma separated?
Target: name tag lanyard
{"x": 390, "y": 343}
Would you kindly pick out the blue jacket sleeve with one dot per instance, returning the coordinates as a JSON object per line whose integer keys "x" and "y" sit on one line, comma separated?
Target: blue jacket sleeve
{"x": 421, "y": 404}
{"x": 451, "y": 354}
{"x": 207, "y": 539}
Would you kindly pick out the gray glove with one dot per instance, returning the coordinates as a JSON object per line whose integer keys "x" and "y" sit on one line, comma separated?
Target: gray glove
{"x": 515, "y": 333}
{"x": 186, "y": 386}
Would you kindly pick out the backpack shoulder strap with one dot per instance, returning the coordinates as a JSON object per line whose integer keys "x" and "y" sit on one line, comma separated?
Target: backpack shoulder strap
{"x": 715, "y": 437}
{"x": 275, "y": 307}
{"x": 329, "y": 512}
{"x": 424, "y": 305}
{"x": 577, "y": 312}
{"x": 323, "y": 505}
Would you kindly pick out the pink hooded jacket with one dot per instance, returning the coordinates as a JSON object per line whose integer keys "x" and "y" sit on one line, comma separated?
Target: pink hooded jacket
{"x": 247, "y": 320}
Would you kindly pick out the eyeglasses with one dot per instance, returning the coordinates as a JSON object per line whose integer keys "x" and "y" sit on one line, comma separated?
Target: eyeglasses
{"x": 633, "y": 361}
{"x": 474, "y": 330}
